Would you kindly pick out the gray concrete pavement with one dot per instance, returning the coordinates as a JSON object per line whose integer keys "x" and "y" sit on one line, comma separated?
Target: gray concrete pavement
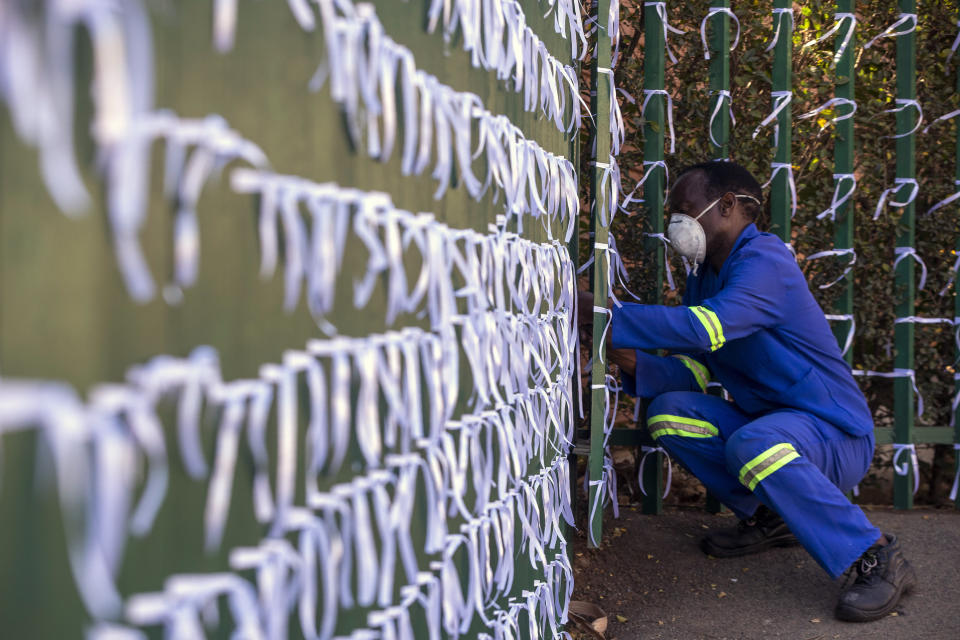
{"x": 654, "y": 582}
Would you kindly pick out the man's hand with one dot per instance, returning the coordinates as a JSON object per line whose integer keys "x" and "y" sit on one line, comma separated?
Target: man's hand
{"x": 626, "y": 359}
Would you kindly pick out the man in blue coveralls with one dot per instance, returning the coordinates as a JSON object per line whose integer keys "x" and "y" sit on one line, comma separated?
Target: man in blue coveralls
{"x": 798, "y": 432}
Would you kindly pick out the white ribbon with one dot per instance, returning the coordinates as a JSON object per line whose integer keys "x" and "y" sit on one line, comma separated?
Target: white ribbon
{"x": 89, "y": 529}
{"x": 224, "y": 24}
{"x": 608, "y": 191}
{"x": 233, "y": 396}
{"x": 904, "y": 103}
{"x": 898, "y": 183}
{"x": 953, "y": 47}
{"x": 904, "y": 252}
{"x": 109, "y": 631}
{"x": 721, "y": 94}
{"x": 897, "y": 373}
{"x": 953, "y": 276}
{"x": 36, "y": 81}
{"x": 279, "y": 575}
{"x": 956, "y": 477}
{"x": 946, "y": 201}
{"x": 613, "y": 30}
{"x": 836, "y": 252}
{"x": 778, "y": 14}
{"x": 649, "y": 93}
{"x": 178, "y": 607}
{"x": 780, "y": 100}
{"x": 903, "y": 469}
{"x": 646, "y": 452}
{"x": 661, "y": 9}
{"x": 839, "y": 17}
{"x": 666, "y": 258}
{"x": 617, "y": 131}
{"x": 892, "y": 32}
{"x": 703, "y": 28}
{"x": 777, "y": 168}
{"x": 832, "y": 103}
{"x": 649, "y": 166}
{"x": 595, "y": 504}
{"x": 943, "y": 118}
{"x": 853, "y": 325}
{"x": 837, "y": 200}
{"x": 618, "y": 271}
{"x": 919, "y": 320}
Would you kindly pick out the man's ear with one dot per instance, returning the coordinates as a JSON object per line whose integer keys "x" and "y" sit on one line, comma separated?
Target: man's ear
{"x": 728, "y": 203}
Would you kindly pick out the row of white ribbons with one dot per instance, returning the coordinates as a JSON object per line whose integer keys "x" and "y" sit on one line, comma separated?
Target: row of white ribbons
{"x": 500, "y": 270}
{"x": 365, "y": 69}
{"x": 494, "y": 32}
{"x": 492, "y": 447}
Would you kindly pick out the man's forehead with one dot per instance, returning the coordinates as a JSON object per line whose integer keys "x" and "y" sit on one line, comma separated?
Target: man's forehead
{"x": 688, "y": 187}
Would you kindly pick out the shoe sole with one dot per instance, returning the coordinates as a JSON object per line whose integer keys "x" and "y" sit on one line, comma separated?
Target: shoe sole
{"x": 707, "y": 546}
{"x": 851, "y": 614}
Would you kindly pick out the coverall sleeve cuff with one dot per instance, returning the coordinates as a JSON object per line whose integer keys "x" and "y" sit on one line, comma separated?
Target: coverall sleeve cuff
{"x": 619, "y": 335}
{"x": 629, "y": 381}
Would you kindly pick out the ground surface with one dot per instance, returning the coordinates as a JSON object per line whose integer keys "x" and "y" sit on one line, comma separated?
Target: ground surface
{"x": 652, "y": 580}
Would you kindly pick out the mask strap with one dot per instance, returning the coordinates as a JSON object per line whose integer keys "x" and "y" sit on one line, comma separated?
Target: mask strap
{"x": 707, "y": 208}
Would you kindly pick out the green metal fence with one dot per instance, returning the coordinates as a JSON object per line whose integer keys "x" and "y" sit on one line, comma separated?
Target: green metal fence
{"x": 720, "y": 31}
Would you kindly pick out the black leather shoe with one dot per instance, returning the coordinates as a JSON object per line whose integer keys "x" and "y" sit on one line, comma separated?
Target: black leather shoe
{"x": 883, "y": 575}
{"x": 763, "y": 531}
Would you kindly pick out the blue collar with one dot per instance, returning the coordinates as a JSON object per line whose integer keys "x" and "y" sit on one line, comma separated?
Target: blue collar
{"x": 749, "y": 232}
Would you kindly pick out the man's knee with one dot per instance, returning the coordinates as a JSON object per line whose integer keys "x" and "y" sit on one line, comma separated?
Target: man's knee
{"x": 669, "y": 415}
{"x": 673, "y": 403}
{"x": 754, "y": 454}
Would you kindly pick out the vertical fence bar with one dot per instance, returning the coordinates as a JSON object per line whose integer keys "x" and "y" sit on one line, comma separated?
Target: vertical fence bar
{"x": 719, "y": 122}
{"x": 843, "y": 165}
{"x": 956, "y": 309}
{"x": 654, "y": 123}
{"x": 903, "y": 400}
{"x": 781, "y": 199}
{"x": 718, "y": 125}
{"x": 600, "y": 105}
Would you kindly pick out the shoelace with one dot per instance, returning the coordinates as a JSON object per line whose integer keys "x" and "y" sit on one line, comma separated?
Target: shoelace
{"x": 865, "y": 566}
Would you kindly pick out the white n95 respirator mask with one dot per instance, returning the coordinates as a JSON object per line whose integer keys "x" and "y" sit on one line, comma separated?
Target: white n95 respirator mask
{"x": 687, "y": 237}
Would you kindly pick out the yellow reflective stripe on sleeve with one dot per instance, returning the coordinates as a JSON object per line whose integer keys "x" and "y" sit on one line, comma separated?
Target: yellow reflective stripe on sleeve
{"x": 698, "y": 370}
{"x": 766, "y": 463}
{"x": 706, "y": 325}
{"x": 721, "y": 340}
{"x": 680, "y": 426}
{"x": 711, "y": 323}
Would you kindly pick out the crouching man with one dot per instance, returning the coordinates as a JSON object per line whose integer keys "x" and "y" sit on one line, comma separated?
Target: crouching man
{"x": 798, "y": 433}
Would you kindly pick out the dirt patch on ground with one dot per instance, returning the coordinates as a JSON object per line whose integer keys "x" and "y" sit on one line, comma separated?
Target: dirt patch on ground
{"x": 653, "y": 581}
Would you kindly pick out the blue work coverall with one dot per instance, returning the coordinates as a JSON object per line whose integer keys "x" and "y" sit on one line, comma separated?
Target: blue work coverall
{"x": 798, "y": 432}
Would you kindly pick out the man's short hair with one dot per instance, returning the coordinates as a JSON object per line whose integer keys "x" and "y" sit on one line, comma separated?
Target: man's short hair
{"x": 723, "y": 176}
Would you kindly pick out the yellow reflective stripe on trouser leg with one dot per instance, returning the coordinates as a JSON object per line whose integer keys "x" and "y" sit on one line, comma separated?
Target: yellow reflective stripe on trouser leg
{"x": 766, "y": 463}
{"x": 711, "y": 323}
{"x": 680, "y": 426}
{"x": 698, "y": 370}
